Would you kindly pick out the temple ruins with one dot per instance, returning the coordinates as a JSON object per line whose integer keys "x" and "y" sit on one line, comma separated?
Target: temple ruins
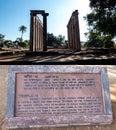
{"x": 73, "y": 32}
{"x": 38, "y": 31}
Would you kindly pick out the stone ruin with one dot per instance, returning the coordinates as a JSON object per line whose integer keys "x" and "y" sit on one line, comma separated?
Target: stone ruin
{"x": 73, "y": 32}
{"x": 38, "y": 31}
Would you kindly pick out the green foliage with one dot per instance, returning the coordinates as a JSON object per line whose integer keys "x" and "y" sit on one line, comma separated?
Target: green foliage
{"x": 115, "y": 45}
{"x": 8, "y": 43}
{"x": 94, "y": 43}
{"x": 56, "y": 40}
{"x": 102, "y": 21}
{"x": 61, "y": 40}
{"x": 103, "y": 15}
{"x": 96, "y": 40}
{"x": 1, "y": 40}
{"x": 14, "y": 44}
{"x": 24, "y": 44}
{"x": 51, "y": 39}
{"x": 21, "y": 43}
{"x": 19, "y": 39}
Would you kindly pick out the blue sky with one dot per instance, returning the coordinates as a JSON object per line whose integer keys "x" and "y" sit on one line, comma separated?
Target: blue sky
{"x": 14, "y": 13}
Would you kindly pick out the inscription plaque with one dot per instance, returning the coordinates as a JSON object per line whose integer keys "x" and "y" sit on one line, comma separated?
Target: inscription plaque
{"x": 58, "y": 93}
{"x": 46, "y": 96}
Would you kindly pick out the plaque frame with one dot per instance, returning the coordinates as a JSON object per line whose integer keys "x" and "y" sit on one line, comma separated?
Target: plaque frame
{"x": 29, "y": 122}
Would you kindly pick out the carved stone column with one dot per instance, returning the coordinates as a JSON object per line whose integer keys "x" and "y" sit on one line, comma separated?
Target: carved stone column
{"x": 45, "y": 32}
{"x": 38, "y": 31}
{"x": 73, "y": 32}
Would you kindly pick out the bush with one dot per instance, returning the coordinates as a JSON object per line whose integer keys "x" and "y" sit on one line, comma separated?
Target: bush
{"x": 24, "y": 44}
{"x": 8, "y": 43}
{"x": 94, "y": 43}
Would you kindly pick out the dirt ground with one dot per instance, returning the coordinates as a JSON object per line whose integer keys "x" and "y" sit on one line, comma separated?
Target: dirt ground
{"x": 59, "y": 55}
{"x": 3, "y": 91}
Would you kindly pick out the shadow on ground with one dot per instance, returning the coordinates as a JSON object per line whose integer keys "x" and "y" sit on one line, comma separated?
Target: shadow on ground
{"x": 62, "y": 56}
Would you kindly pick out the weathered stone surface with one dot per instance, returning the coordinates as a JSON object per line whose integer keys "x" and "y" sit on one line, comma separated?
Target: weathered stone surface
{"x": 73, "y": 32}
{"x": 38, "y": 31}
{"x": 41, "y": 96}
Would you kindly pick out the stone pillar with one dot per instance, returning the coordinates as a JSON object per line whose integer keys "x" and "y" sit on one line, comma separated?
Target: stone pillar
{"x": 45, "y": 32}
{"x": 38, "y": 35}
{"x": 73, "y": 32}
{"x": 78, "y": 45}
{"x": 34, "y": 32}
{"x": 68, "y": 37}
{"x": 31, "y": 31}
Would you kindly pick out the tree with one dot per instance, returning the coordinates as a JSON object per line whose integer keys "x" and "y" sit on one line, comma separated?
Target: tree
{"x": 19, "y": 42}
{"x": 51, "y": 39}
{"x": 24, "y": 44}
{"x": 22, "y": 29}
{"x": 8, "y": 43}
{"x": 61, "y": 40}
{"x": 56, "y": 40}
{"x": 1, "y": 40}
{"x": 19, "y": 39}
{"x": 102, "y": 20}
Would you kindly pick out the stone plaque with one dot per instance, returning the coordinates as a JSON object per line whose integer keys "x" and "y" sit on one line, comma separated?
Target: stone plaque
{"x": 58, "y": 96}
{"x": 41, "y": 94}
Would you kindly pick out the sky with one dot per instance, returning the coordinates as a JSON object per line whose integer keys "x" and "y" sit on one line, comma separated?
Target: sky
{"x": 14, "y": 13}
